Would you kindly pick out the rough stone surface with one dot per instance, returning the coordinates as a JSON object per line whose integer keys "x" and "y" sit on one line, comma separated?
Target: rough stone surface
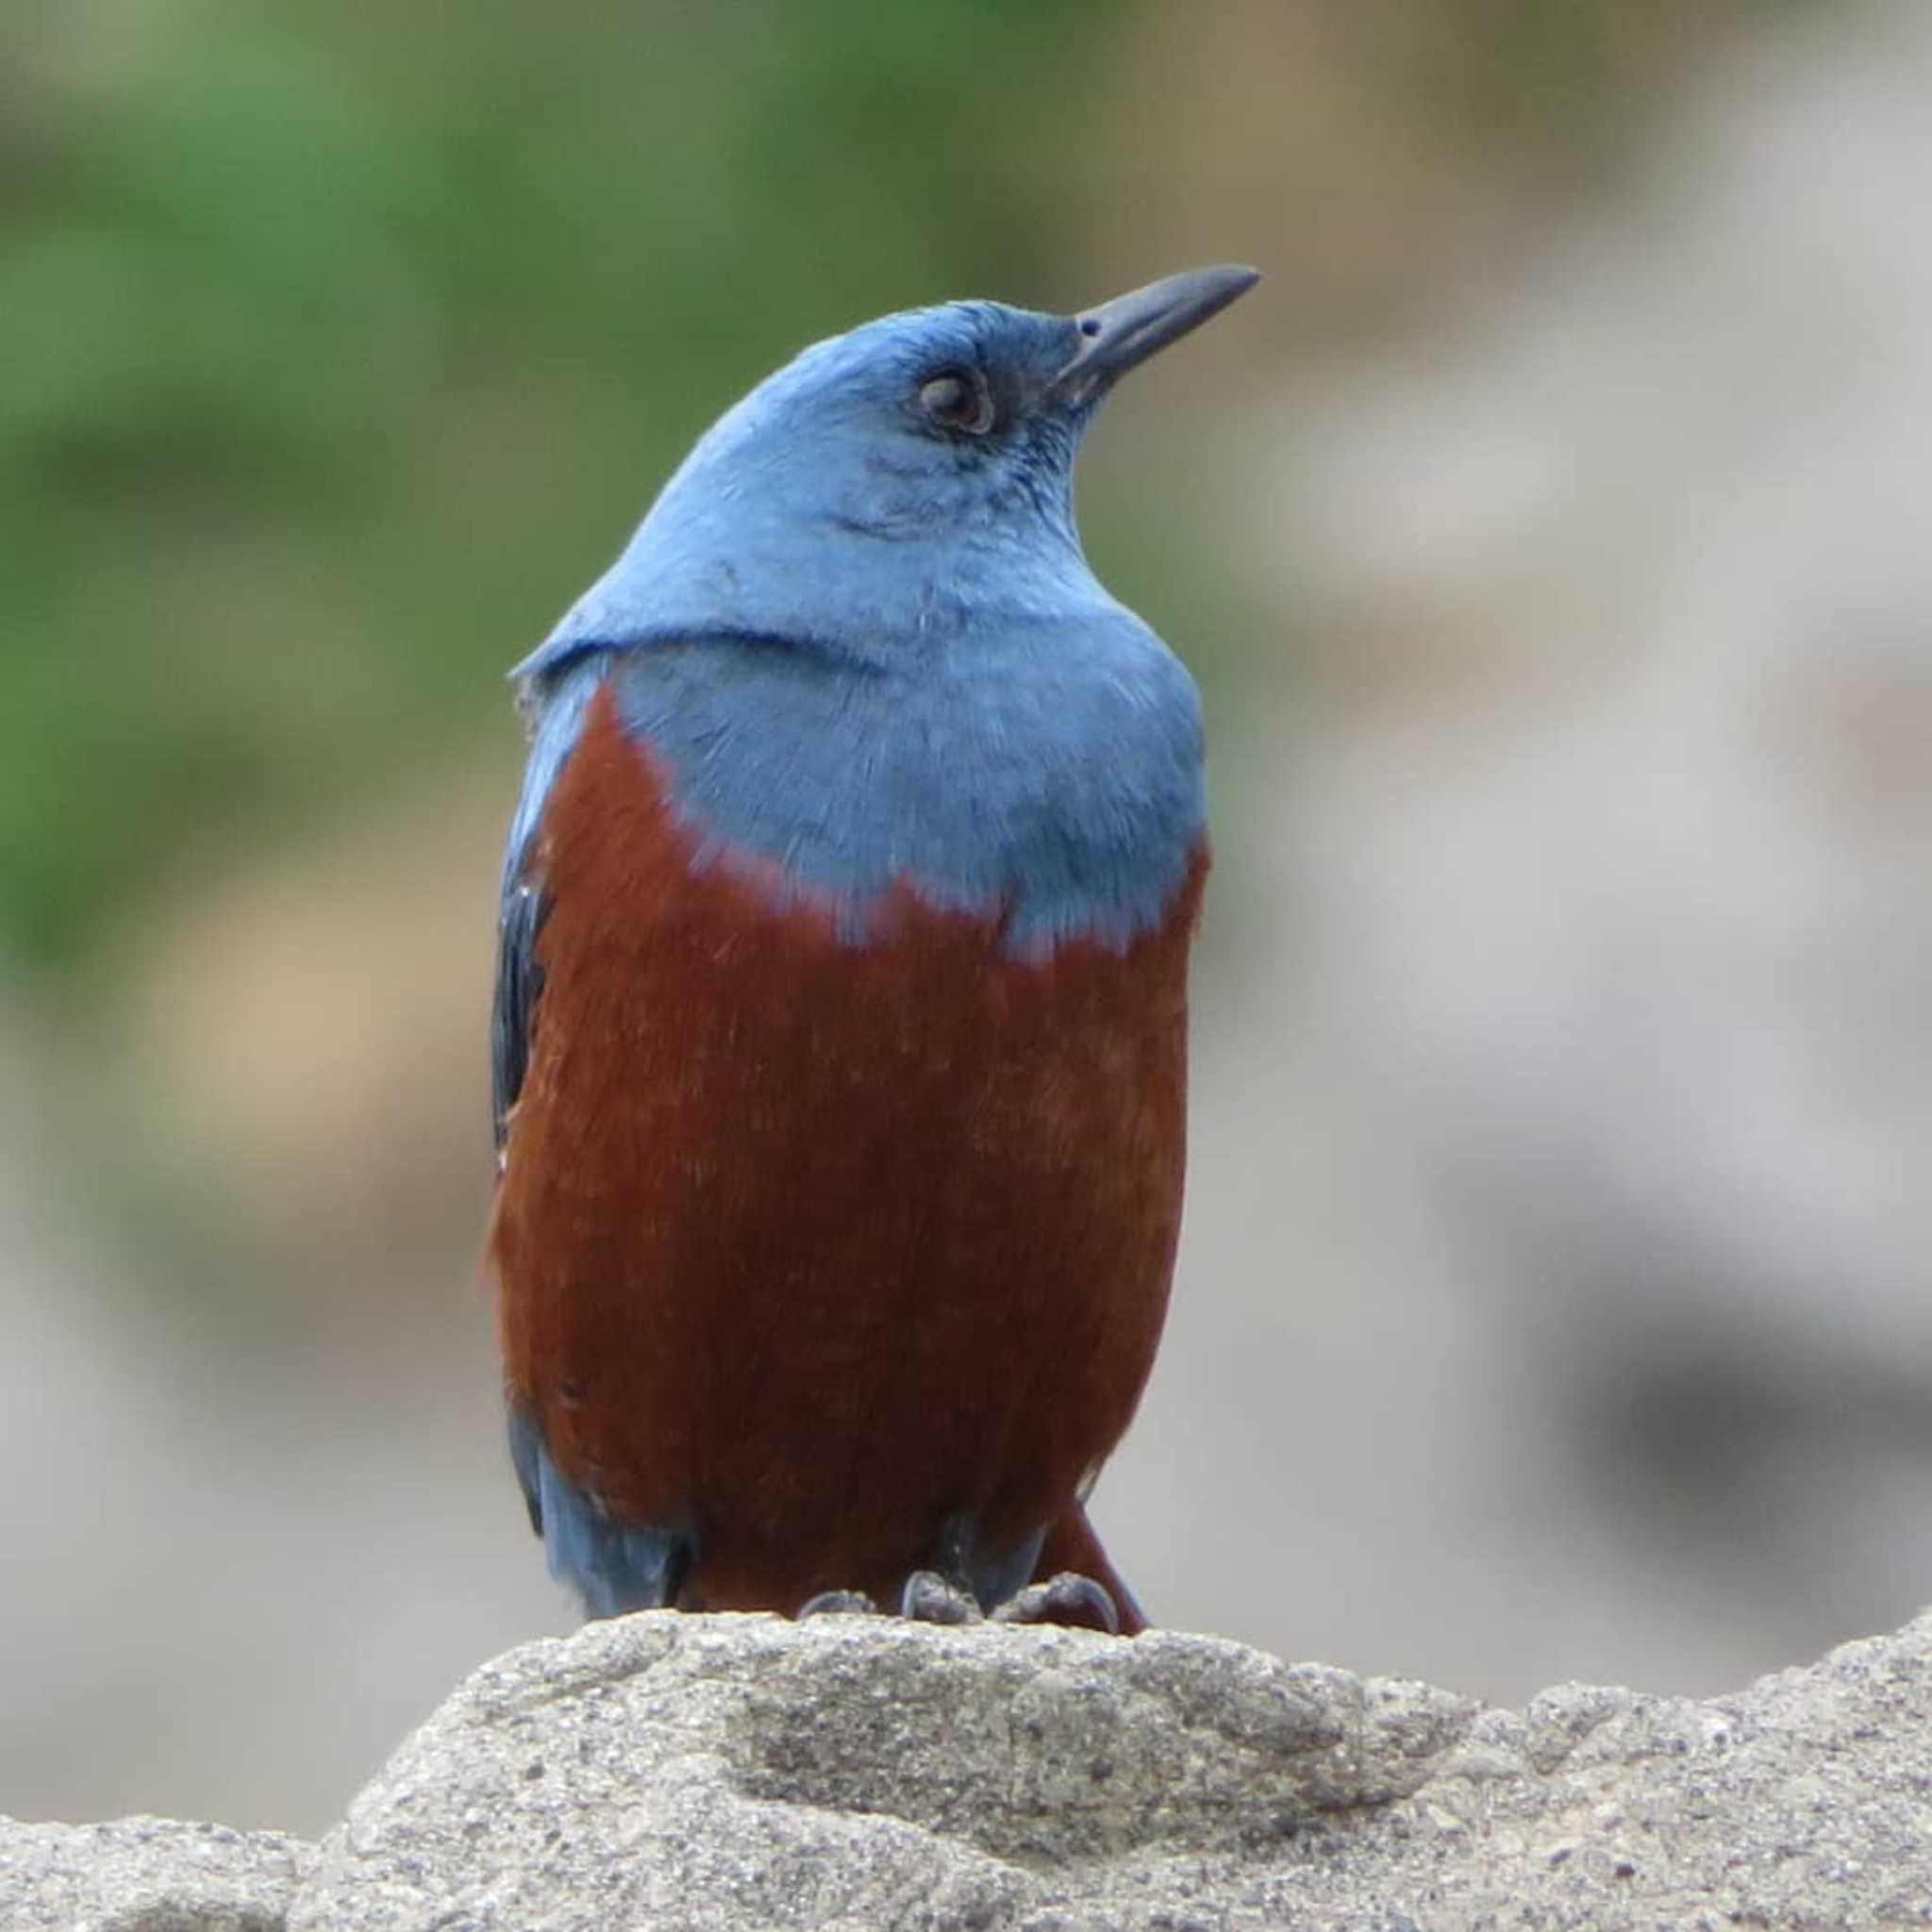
{"x": 146, "y": 1874}
{"x": 861, "y": 1772}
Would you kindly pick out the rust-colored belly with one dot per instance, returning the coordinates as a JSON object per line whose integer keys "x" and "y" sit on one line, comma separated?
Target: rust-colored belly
{"x": 805, "y": 1246}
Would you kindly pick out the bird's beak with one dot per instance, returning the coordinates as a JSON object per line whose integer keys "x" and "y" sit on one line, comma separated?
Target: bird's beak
{"x": 1126, "y": 331}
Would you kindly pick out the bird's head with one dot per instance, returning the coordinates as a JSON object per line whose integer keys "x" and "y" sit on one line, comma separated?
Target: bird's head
{"x": 890, "y": 486}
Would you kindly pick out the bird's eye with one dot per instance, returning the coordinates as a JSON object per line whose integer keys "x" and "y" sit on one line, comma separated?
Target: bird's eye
{"x": 957, "y": 399}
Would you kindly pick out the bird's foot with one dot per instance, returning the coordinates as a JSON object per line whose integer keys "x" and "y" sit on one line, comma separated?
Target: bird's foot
{"x": 929, "y": 1598}
{"x": 1068, "y": 1598}
{"x": 837, "y": 1603}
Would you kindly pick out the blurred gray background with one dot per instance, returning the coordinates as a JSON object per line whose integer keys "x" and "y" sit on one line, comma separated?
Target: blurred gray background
{"x": 1552, "y": 535}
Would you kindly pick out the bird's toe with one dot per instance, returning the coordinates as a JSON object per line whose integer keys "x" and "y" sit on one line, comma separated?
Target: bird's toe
{"x": 929, "y": 1598}
{"x": 1068, "y": 1598}
{"x": 837, "y": 1602}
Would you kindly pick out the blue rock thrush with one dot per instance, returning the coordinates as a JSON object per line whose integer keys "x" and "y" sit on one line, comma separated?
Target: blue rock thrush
{"x": 842, "y": 996}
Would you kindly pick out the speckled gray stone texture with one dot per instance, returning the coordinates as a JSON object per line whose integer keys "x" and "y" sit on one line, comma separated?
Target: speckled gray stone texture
{"x": 858, "y": 1772}
{"x": 867, "y": 1774}
{"x": 145, "y": 1874}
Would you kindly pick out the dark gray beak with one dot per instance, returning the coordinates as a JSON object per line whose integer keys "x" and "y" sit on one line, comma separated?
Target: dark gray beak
{"x": 1126, "y": 331}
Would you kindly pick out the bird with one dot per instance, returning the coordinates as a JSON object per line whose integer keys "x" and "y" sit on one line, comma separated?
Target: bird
{"x": 839, "y": 1031}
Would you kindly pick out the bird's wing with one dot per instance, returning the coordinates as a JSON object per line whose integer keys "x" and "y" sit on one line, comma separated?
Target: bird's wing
{"x": 614, "y": 1567}
{"x": 523, "y": 903}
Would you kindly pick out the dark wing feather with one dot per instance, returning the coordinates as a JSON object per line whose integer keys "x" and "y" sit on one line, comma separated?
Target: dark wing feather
{"x": 519, "y": 981}
{"x": 558, "y": 708}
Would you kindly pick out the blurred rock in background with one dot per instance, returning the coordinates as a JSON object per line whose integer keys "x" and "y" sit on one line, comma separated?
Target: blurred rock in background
{"x": 1548, "y": 538}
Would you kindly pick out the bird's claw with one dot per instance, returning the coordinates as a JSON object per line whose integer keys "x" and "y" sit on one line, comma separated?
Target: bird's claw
{"x": 929, "y": 1598}
{"x": 837, "y": 1603}
{"x": 1068, "y": 1598}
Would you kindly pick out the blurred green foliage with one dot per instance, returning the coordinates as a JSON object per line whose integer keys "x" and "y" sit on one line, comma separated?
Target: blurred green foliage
{"x": 340, "y": 344}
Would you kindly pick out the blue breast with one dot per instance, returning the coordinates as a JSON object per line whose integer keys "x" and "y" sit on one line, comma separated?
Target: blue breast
{"x": 1048, "y": 776}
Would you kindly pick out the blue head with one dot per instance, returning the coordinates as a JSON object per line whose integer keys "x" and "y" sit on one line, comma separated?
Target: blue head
{"x": 858, "y": 631}
{"x": 891, "y": 485}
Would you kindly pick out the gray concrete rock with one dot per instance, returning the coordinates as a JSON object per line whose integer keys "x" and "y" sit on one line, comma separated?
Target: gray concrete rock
{"x": 856, "y": 1773}
{"x": 145, "y": 1874}
{"x": 863, "y": 1775}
